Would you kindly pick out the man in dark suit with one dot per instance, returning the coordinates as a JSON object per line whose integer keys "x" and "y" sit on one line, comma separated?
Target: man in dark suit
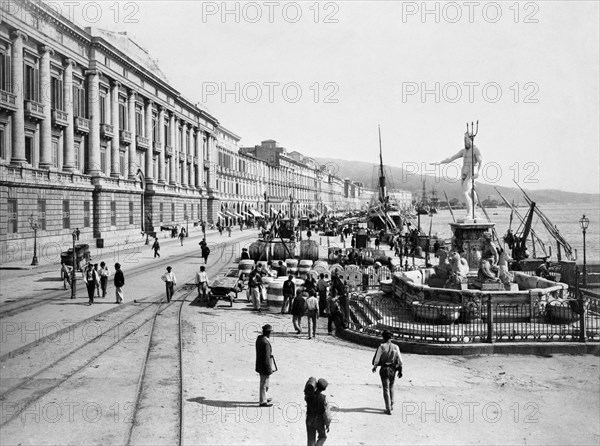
{"x": 264, "y": 364}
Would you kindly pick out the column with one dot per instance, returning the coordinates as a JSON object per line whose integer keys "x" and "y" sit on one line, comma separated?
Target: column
{"x": 162, "y": 141}
{"x": 94, "y": 108}
{"x": 198, "y": 157}
{"x": 183, "y": 140}
{"x": 173, "y": 128}
{"x": 18, "y": 117}
{"x": 69, "y": 132}
{"x": 190, "y": 169}
{"x": 149, "y": 171}
{"x": 115, "y": 170}
{"x": 46, "y": 96}
{"x": 133, "y": 167}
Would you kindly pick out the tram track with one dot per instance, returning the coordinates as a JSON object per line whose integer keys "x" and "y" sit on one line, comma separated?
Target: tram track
{"x": 73, "y": 361}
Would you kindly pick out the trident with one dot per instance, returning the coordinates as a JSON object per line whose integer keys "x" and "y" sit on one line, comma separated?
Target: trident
{"x": 472, "y": 134}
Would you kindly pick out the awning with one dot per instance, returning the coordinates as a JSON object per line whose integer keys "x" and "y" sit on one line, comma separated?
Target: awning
{"x": 247, "y": 214}
{"x": 229, "y": 214}
{"x": 255, "y": 213}
{"x": 238, "y": 215}
{"x": 220, "y": 215}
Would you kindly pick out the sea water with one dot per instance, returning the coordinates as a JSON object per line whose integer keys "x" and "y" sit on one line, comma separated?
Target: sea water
{"x": 564, "y": 216}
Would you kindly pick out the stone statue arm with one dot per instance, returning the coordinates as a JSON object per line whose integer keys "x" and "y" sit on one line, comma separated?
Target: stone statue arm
{"x": 451, "y": 158}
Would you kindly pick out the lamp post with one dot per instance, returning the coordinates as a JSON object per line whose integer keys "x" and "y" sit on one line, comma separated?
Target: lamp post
{"x": 74, "y": 269}
{"x": 584, "y": 222}
{"x": 186, "y": 217}
{"x": 34, "y": 224}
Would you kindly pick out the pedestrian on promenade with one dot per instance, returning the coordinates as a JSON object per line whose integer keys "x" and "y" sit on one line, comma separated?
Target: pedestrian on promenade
{"x": 289, "y": 291}
{"x": 334, "y": 315}
{"x": 254, "y": 281}
{"x": 202, "y": 282}
{"x": 97, "y": 273}
{"x": 104, "y": 274}
{"x": 265, "y": 364}
{"x": 318, "y": 416}
{"x": 66, "y": 274}
{"x": 205, "y": 250}
{"x": 297, "y": 309}
{"x": 353, "y": 241}
{"x": 377, "y": 242}
{"x": 91, "y": 279}
{"x": 388, "y": 358}
{"x": 310, "y": 284}
{"x": 119, "y": 282}
{"x": 312, "y": 313}
{"x": 181, "y": 236}
{"x": 322, "y": 290}
{"x": 156, "y": 248}
{"x": 241, "y": 225}
{"x": 229, "y": 230}
{"x": 170, "y": 281}
{"x": 77, "y": 232}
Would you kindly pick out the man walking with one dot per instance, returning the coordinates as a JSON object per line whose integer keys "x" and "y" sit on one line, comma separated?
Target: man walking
{"x": 289, "y": 291}
{"x": 202, "y": 282}
{"x": 156, "y": 248}
{"x": 297, "y": 309}
{"x": 170, "y": 282}
{"x": 264, "y": 364}
{"x": 91, "y": 280}
{"x": 205, "y": 250}
{"x": 322, "y": 290}
{"x": 104, "y": 273}
{"x": 312, "y": 312}
{"x": 389, "y": 359}
{"x": 318, "y": 417}
{"x": 119, "y": 282}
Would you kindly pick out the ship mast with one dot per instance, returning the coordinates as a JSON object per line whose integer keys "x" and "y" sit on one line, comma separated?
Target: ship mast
{"x": 382, "y": 191}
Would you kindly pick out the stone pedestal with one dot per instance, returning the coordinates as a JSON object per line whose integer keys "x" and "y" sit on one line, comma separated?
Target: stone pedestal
{"x": 466, "y": 240}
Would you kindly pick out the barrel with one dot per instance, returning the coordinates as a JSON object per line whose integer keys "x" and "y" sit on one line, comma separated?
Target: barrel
{"x": 280, "y": 252}
{"x": 299, "y": 284}
{"x": 266, "y": 281}
{"x": 320, "y": 263}
{"x": 418, "y": 251}
{"x": 386, "y": 286}
{"x": 320, "y": 269}
{"x": 303, "y": 267}
{"x": 291, "y": 263}
{"x": 309, "y": 249}
{"x": 246, "y": 266}
{"x": 275, "y": 293}
{"x": 259, "y": 250}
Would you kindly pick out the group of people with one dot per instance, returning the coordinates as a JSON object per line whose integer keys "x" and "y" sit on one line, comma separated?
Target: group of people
{"x": 318, "y": 416}
{"x": 96, "y": 280}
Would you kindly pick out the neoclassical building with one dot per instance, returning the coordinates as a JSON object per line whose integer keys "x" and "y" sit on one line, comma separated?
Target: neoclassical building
{"x": 94, "y": 137}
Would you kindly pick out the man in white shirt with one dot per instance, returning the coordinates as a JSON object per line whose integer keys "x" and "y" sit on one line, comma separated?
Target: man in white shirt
{"x": 170, "y": 281}
{"x": 312, "y": 313}
{"x": 202, "y": 282}
{"x": 388, "y": 357}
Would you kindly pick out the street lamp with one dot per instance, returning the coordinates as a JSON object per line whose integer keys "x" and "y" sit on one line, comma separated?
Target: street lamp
{"x": 186, "y": 217}
{"x": 584, "y": 222}
{"x": 74, "y": 268}
{"x": 34, "y": 224}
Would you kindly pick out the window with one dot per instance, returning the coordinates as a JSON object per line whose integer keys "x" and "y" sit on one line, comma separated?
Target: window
{"x": 185, "y": 214}
{"x": 29, "y": 141}
{"x": 66, "y": 214}
{"x": 76, "y": 150}
{"x": 55, "y": 152}
{"x": 5, "y": 72}
{"x": 103, "y": 106}
{"x": 172, "y": 211}
{"x": 155, "y": 127}
{"x": 56, "y": 93}
{"x": 103, "y": 160}
{"x": 131, "y": 212}
{"x": 86, "y": 214}
{"x": 3, "y": 145}
{"x": 167, "y": 140}
{"x": 41, "y": 214}
{"x": 113, "y": 213}
{"x": 79, "y": 98}
{"x": 32, "y": 81}
{"x": 139, "y": 120}
{"x": 122, "y": 164}
{"x": 122, "y": 113}
{"x": 161, "y": 209}
{"x": 13, "y": 220}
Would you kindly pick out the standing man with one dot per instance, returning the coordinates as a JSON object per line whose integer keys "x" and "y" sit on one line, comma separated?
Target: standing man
{"x": 104, "y": 273}
{"x": 181, "y": 236}
{"x": 156, "y": 248}
{"x": 289, "y": 291}
{"x": 77, "y": 232}
{"x": 264, "y": 364}
{"x": 389, "y": 359}
{"x": 312, "y": 312}
{"x": 97, "y": 275}
{"x": 91, "y": 281}
{"x": 297, "y": 309}
{"x": 119, "y": 282}
{"x": 318, "y": 417}
{"x": 205, "y": 250}
{"x": 254, "y": 281}
{"x": 170, "y": 282}
{"x": 322, "y": 290}
{"x": 202, "y": 282}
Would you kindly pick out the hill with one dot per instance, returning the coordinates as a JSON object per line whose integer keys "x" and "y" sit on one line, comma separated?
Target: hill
{"x": 398, "y": 178}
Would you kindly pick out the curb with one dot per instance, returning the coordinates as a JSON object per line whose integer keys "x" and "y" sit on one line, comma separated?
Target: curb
{"x": 504, "y": 348}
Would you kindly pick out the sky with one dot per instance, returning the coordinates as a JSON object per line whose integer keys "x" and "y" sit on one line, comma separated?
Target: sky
{"x": 320, "y": 77}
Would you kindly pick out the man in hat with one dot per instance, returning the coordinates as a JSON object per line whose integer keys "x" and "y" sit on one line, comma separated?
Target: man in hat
{"x": 245, "y": 255}
{"x": 388, "y": 358}
{"x": 264, "y": 364}
{"x": 318, "y": 417}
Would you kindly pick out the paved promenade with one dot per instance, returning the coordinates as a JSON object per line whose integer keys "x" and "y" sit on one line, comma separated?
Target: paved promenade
{"x": 440, "y": 400}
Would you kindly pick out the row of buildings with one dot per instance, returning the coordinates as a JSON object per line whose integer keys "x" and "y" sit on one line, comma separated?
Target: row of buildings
{"x": 93, "y": 136}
